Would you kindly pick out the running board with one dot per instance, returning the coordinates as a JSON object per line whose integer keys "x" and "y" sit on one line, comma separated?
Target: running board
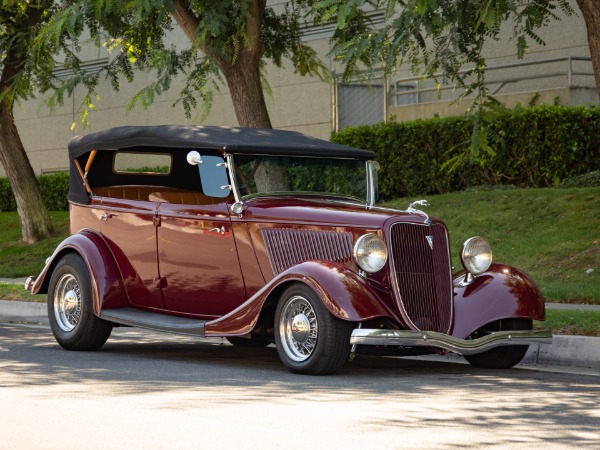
{"x": 154, "y": 321}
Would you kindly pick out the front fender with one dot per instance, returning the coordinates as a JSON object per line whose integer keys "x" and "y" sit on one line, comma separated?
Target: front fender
{"x": 107, "y": 287}
{"x": 501, "y": 292}
{"x": 343, "y": 292}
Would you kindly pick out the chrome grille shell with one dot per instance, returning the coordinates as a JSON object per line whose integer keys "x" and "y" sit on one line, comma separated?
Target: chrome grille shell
{"x": 422, "y": 275}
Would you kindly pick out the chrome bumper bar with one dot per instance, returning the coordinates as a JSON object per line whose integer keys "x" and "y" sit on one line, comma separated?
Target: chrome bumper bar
{"x": 403, "y": 338}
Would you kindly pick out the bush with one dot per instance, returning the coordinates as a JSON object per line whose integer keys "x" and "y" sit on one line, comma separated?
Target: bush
{"x": 54, "y": 189}
{"x": 7, "y": 199}
{"x": 590, "y": 179}
{"x": 533, "y": 147}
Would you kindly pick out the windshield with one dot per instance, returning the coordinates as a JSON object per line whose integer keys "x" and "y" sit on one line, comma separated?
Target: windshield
{"x": 260, "y": 174}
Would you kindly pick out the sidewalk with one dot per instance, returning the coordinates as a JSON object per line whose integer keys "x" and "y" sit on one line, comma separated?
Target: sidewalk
{"x": 571, "y": 351}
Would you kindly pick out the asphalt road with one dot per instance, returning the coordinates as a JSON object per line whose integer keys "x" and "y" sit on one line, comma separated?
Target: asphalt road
{"x": 153, "y": 391}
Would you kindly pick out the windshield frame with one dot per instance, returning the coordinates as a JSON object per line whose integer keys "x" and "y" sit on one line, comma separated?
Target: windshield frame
{"x": 370, "y": 180}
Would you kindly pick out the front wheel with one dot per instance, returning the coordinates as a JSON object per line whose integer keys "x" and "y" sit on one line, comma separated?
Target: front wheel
{"x": 70, "y": 307}
{"x": 309, "y": 338}
{"x": 501, "y": 357}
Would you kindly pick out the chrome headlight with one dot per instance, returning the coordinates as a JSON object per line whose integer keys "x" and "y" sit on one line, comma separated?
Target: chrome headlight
{"x": 370, "y": 253}
{"x": 476, "y": 255}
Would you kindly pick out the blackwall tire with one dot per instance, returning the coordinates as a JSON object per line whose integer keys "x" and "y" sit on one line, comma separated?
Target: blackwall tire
{"x": 501, "y": 357}
{"x": 309, "y": 339}
{"x": 70, "y": 307}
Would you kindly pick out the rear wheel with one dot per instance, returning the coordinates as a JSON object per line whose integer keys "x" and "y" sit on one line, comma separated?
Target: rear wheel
{"x": 309, "y": 338}
{"x": 70, "y": 307}
{"x": 500, "y": 357}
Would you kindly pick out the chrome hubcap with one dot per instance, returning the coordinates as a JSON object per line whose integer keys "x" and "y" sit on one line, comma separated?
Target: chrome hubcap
{"x": 298, "y": 328}
{"x": 67, "y": 302}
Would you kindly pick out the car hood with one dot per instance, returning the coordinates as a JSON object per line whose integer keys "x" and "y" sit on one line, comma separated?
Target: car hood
{"x": 329, "y": 211}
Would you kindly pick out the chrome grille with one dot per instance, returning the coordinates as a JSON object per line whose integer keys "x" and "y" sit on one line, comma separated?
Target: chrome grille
{"x": 287, "y": 246}
{"x": 423, "y": 274}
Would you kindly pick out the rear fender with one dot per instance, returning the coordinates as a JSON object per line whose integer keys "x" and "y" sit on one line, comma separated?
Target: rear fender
{"x": 345, "y": 295}
{"x": 107, "y": 286}
{"x": 500, "y": 293}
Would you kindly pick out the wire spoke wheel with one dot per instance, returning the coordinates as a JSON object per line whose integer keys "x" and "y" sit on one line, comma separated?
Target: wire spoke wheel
{"x": 298, "y": 328}
{"x": 67, "y": 303}
{"x": 309, "y": 338}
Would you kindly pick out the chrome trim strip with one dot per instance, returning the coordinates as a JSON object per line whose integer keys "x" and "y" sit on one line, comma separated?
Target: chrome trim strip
{"x": 405, "y": 338}
{"x": 371, "y": 188}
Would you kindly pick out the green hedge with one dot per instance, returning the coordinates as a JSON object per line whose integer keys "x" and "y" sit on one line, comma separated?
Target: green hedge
{"x": 54, "y": 189}
{"x": 534, "y": 147}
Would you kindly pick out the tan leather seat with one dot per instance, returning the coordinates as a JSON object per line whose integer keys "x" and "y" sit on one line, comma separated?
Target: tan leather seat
{"x": 127, "y": 192}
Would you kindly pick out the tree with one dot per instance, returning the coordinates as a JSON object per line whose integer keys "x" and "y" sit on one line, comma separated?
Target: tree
{"x": 591, "y": 14}
{"x": 19, "y": 20}
{"x": 438, "y": 36}
{"x": 229, "y": 40}
{"x": 434, "y": 36}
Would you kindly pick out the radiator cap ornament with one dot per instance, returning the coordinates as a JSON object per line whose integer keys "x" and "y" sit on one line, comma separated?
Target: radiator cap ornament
{"x": 411, "y": 209}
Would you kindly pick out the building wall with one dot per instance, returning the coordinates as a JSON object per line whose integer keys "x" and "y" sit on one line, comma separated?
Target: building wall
{"x": 298, "y": 103}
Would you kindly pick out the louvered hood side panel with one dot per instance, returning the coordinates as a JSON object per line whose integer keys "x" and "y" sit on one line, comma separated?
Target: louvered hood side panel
{"x": 287, "y": 247}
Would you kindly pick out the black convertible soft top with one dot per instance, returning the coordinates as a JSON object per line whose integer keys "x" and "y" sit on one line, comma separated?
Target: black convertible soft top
{"x": 179, "y": 138}
{"x": 233, "y": 140}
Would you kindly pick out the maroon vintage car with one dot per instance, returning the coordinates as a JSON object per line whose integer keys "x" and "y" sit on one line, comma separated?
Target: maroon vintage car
{"x": 270, "y": 236}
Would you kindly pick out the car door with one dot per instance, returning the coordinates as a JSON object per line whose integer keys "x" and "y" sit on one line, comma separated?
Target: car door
{"x": 198, "y": 262}
{"x": 129, "y": 227}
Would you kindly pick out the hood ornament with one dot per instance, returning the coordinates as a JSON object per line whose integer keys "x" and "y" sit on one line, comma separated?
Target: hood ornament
{"x": 411, "y": 209}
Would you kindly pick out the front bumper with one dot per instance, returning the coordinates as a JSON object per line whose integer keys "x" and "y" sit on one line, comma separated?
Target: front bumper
{"x": 404, "y": 338}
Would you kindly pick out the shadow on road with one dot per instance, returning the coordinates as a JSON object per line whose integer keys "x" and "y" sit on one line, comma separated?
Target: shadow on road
{"x": 134, "y": 362}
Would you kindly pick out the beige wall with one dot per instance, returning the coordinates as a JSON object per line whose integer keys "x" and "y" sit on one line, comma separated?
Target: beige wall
{"x": 298, "y": 103}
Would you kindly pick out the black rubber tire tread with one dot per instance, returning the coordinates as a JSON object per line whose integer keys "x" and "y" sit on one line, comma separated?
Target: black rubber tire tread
{"x": 255, "y": 341}
{"x": 91, "y": 332}
{"x": 333, "y": 341}
{"x": 502, "y": 357}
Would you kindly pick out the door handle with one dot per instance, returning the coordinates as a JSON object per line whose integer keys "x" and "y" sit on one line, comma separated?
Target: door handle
{"x": 221, "y": 230}
{"x": 106, "y": 216}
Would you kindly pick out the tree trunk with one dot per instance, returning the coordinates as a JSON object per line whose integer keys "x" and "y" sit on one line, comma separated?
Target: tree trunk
{"x": 246, "y": 90}
{"x": 243, "y": 74}
{"x": 35, "y": 222}
{"x": 590, "y": 10}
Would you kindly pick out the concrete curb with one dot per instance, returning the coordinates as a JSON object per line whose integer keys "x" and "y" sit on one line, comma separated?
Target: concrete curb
{"x": 23, "y": 312}
{"x": 571, "y": 351}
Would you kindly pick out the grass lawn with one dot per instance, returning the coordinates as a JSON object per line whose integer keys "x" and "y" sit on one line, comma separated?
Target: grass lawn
{"x": 552, "y": 234}
{"x": 18, "y": 292}
{"x": 560, "y": 321}
{"x": 21, "y": 260}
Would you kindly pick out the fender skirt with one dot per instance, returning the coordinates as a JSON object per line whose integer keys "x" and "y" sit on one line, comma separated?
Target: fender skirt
{"x": 343, "y": 292}
{"x": 501, "y": 292}
{"x": 107, "y": 288}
